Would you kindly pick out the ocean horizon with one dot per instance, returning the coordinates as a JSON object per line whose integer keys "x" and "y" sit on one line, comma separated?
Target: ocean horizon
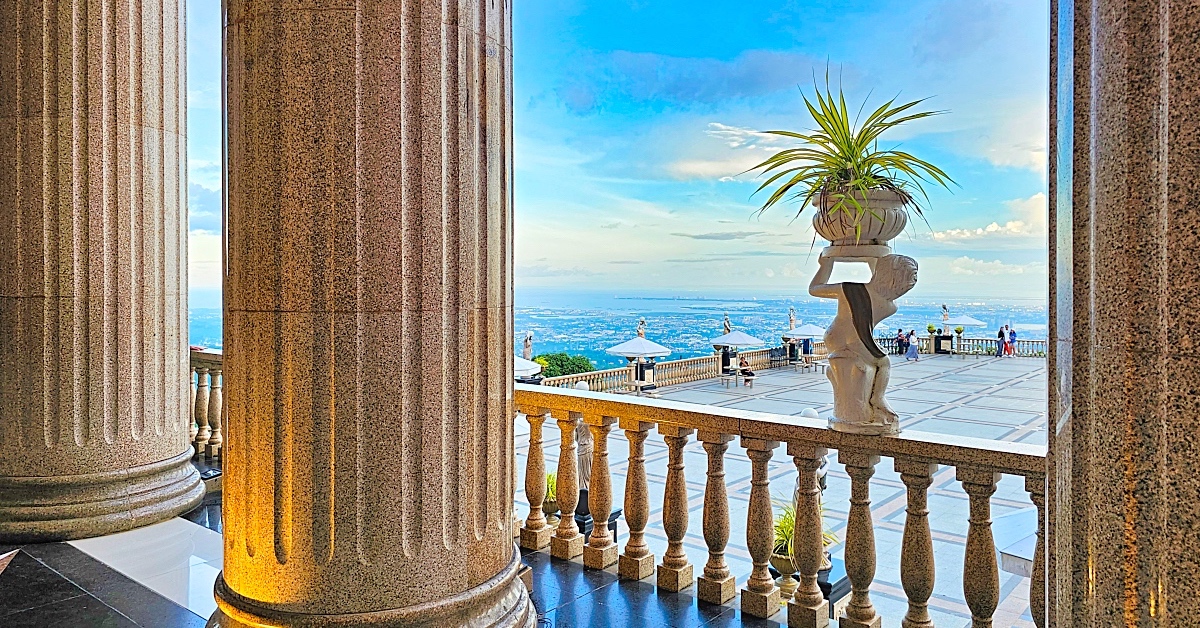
{"x": 586, "y": 322}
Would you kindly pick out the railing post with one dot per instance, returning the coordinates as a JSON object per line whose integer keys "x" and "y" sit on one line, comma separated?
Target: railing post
{"x": 981, "y": 574}
{"x": 675, "y": 572}
{"x": 203, "y": 431}
{"x": 760, "y": 598}
{"x": 916, "y": 551}
{"x": 193, "y": 428}
{"x": 567, "y": 542}
{"x": 212, "y": 448}
{"x": 535, "y": 534}
{"x": 808, "y": 607}
{"x": 1036, "y": 486}
{"x": 860, "y": 541}
{"x": 716, "y": 586}
{"x": 601, "y": 550}
{"x": 636, "y": 562}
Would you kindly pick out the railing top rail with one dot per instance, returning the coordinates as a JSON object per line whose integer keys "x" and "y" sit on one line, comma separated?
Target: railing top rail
{"x": 1003, "y": 457}
{"x": 207, "y": 356}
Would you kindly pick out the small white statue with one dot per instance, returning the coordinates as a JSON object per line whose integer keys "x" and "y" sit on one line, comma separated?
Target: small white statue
{"x": 728, "y": 327}
{"x": 527, "y": 347}
{"x": 641, "y": 328}
{"x": 791, "y": 317}
{"x": 858, "y": 368}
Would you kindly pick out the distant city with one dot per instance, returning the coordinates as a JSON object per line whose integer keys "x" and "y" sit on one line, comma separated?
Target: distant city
{"x": 588, "y": 322}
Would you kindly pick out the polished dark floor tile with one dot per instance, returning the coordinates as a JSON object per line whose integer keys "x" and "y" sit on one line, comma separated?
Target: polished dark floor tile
{"x": 207, "y": 514}
{"x": 26, "y": 583}
{"x": 82, "y": 611}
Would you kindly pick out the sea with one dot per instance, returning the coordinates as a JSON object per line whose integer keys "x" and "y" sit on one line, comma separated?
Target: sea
{"x": 588, "y": 321}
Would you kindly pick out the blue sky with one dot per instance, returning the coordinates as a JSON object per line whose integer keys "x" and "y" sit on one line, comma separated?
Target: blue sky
{"x": 633, "y": 120}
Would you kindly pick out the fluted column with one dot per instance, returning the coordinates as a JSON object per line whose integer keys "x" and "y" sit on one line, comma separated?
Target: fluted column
{"x": 760, "y": 598}
{"x": 368, "y": 466}
{"x": 94, "y": 365}
{"x": 636, "y": 562}
{"x": 717, "y": 585}
{"x": 916, "y": 552}
{"x": 675, "y": 572}
{"x": 601, "y": 549}
{"x": 535, "y": 534}
{"x": 808, "y": 607}
{"x": 860, "y": 541}
{"x": 981, "y": 574}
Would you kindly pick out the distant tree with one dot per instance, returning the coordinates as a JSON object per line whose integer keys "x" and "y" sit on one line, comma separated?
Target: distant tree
{"x": 559, "y": 364}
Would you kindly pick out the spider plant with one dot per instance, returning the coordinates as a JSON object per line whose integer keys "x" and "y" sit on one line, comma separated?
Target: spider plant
{"x": 840, "y": 160}
{"x": 785, "y": 525}
{"x": 551, "y": 483}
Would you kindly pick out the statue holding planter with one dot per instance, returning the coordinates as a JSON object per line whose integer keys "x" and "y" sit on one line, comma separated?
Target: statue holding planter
{"x": 861, "y": 195}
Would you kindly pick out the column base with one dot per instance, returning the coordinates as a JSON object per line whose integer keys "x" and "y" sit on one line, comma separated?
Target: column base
{"x": 631, "y": 568}
{"x": 761, "y": 604}
{"x": 674, "y": 579}
{"x": 501, "y": 602}
{"x": 61, "y": 508}
{"x": 804, "y": 617}
{"x": 846, "y": 622}
{"x": 599, "y": 557}
{"x": 535, "y": 539}
{"x": 566, "y": 549}
{"x": 716, "y": 591}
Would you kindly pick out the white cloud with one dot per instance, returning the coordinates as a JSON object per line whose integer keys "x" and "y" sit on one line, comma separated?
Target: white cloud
{"x": 1029, "y": 222}
{"x": 739, "y": 149}
{"x": 204, "y": 259}
{"x": 970, "y": 266}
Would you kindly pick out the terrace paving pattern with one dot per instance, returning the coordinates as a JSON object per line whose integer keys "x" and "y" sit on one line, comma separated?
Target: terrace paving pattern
{"x": 998, "y": 398}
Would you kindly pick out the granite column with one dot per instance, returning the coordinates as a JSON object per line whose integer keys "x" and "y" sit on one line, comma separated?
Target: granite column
{"x": 369, "y": 448}
{"x": 94, "y": 393}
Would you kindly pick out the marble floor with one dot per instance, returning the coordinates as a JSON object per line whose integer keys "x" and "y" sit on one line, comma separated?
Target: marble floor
{"x": 999, "y": 398}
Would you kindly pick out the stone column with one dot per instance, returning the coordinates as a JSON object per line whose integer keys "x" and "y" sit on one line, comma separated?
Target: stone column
{"x": 94, "y": 399}
{"x": 1125, "y": 367}
{"x": 369, "y": 443}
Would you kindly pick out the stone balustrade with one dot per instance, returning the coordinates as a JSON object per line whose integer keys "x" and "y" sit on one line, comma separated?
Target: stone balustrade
{"x": 973, "y": 346}
{"x": 915, "y": 455}
{"x": 208, "y": 407}
{"x": 608, "y": 380}
{"x": 687, "y": 370}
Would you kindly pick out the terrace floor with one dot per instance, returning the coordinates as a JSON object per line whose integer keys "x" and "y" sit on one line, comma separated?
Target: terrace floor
{"x": 998, "y": 398}
{"x": 162, "y": 575}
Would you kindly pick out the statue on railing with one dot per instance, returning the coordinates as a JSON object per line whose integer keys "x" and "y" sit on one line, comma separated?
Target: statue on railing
{"x": 791, "y": 317}
{"x": 527, "y": 346}
{"x": 858, "y": 368}
{"x": 727, "y": 324}
{"x": 641, "y": 328}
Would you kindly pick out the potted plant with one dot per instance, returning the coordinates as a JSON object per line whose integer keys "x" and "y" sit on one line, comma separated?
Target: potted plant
{"x": 958, "y": 331}
{"x": 550, "y": 504}
{"x": 781, "y": 553}
{"x": 861, "y": 192}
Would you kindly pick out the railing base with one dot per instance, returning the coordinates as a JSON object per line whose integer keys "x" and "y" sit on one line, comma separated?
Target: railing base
{"x": 535, "y": 539}
{"x": 599, "y": 557}
{"x": 760, "y": 604}
{"x": 846, "y": 622}
{"x": 804, "y": 617}
{"x": 675, "y": 579}
{"x": 630, "y": 568}
{"x": 566, "y": 549}
{"x": 716, "y": 591}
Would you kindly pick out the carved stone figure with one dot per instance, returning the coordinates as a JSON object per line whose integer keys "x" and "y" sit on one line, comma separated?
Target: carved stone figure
{"x": 728, "y": 326}
{"x": 791, "y": 317}
{"x": 641, "y": 328}
{"x": 858, "y": 368}
{"x": 527, "y": 348}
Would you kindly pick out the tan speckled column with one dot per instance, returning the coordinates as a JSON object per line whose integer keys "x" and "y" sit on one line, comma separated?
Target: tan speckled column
{"x": 369, "y": 444}
{"x": 1125, "y": 372}
{"x": 94, "y": 392}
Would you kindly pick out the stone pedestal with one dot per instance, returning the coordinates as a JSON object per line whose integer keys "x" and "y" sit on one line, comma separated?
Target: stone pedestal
{"x": 94, "y": 393}
{"x": 369, "y": 445}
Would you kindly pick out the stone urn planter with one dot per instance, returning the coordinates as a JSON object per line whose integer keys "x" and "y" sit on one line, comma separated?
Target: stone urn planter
{"x": 550, "y": 509}
{"x": 786, "y": 582}
{"x": 880, "y": 227}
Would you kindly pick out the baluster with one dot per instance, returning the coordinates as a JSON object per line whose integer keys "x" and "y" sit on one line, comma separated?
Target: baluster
{"x": 1036, "y": 486}
{"x": 203, "y": 431}
{"x": 760, "y": 598}
{"x": 916, "y": 552}
{"x": 601, "y": 550}
{"x": 860, "y": 542}
{"x": 212, "y": 448}
{"x": 535, "y": 534}
{"x": 567, "y": 542}
{"x": 675, "y": 572}
{"x": 192, "y": 427}
{"x": 716, "y": 586}
{"x": 808, "y": 607}
{"x": 636, "y": 562}
{"x": 981, "y": 574}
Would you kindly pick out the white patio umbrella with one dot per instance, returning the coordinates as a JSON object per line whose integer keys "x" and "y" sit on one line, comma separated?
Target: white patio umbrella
{"x": 965, "y": 321}
{"x": 736, "y": 339}
{"x": 525, "y": 368}
{"x": 638, "y": 348}
{"x": 807, "y": 330}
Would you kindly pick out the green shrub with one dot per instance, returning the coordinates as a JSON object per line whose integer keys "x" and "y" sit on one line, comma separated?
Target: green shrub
{"x": 931, "y": 327}
{"x": 559, "y": 364}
